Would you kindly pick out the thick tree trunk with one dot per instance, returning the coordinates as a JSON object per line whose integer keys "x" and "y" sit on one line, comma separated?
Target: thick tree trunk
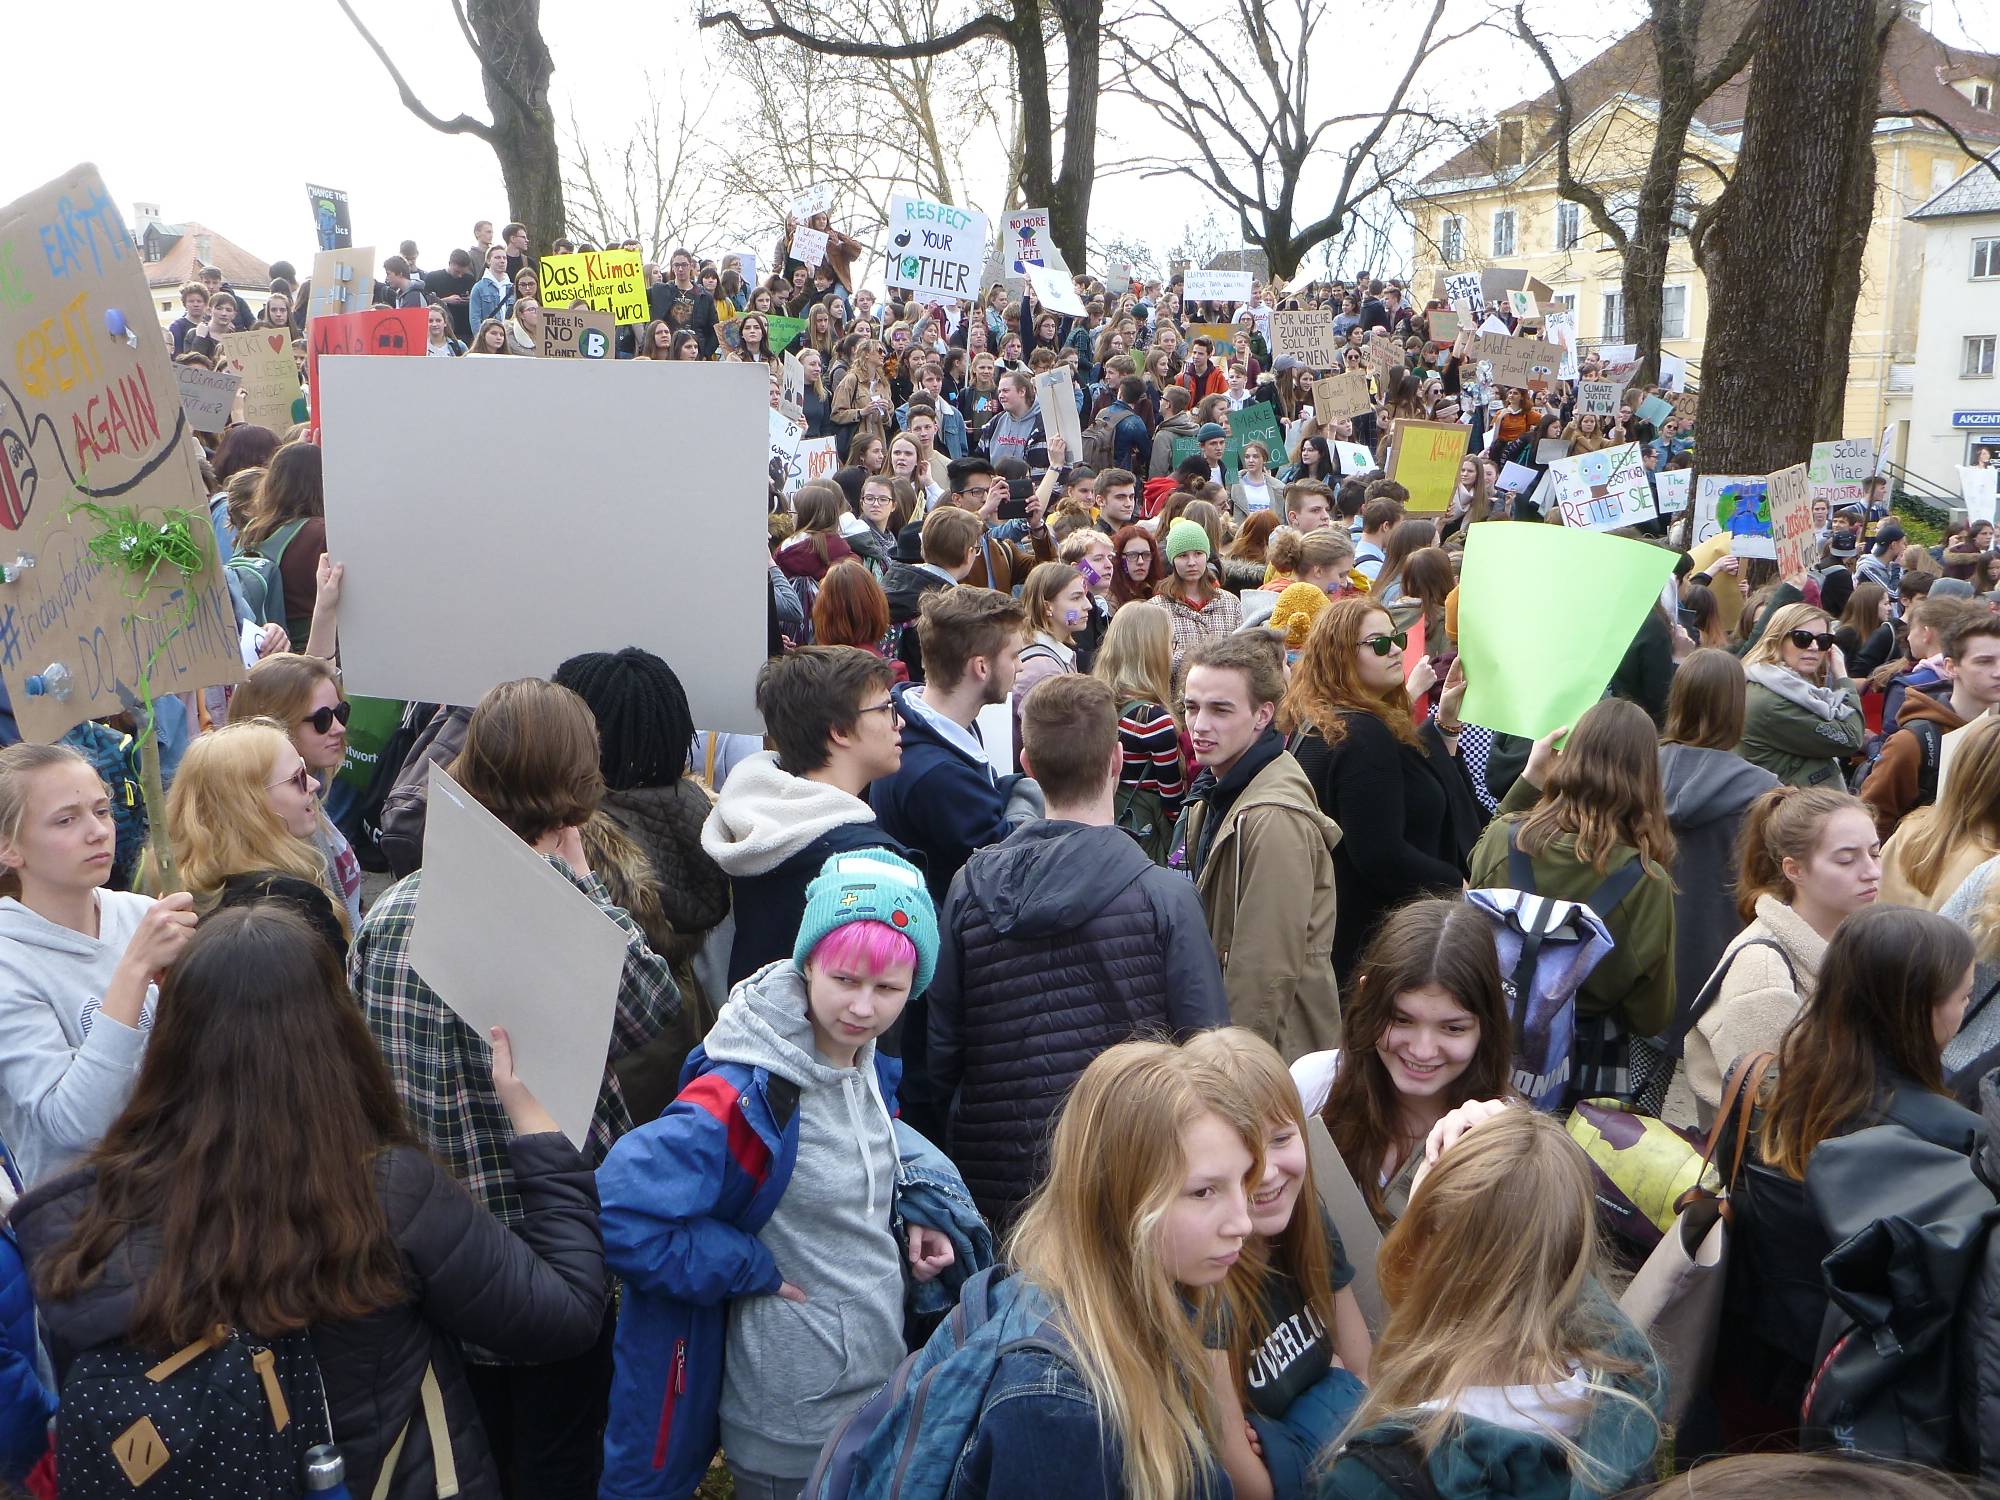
{"x": 1644, "y": 273}
{"x": 1784, "y": 255}
{"x": 515, "y": 78}
{"x": 1069, "y": 201}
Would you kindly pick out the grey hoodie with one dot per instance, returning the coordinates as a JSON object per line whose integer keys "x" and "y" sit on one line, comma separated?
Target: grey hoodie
{"x": 793, "y": 1371}
{"x": 65, "y": 1070}
{"x": 1707, "y": 793}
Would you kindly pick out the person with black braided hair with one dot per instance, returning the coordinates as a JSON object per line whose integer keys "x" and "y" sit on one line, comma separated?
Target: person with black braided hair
{"x": 644, "y": 842}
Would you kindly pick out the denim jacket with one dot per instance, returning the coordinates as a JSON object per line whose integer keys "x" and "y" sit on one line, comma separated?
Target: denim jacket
{"x": 930, "y": 1192}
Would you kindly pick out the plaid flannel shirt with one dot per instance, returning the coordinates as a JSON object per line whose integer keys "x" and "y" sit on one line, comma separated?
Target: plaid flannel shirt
{"x": 443, "y": 1069}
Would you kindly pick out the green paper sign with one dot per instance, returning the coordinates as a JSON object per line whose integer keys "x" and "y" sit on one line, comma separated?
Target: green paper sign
{"x": 1259, "y": 422}
{"x": 779, "y": 332}
{"x": 1525, "y": 674}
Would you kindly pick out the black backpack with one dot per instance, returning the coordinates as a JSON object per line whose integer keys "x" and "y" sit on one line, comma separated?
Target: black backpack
{"x": 227, "y": 1415}
{"x": 1930, "y": 754}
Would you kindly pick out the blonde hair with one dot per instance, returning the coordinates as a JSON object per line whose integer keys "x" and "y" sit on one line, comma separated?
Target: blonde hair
{"x": 1091, "y": 1239}
{"x": 1136, "y": 659}
{"x": 219, "y": 814}
{"x": 1301, "y": 1253}
{"x": 1967, "y": 810}
{"x": 1782, "y": 622}
{"x": 1492, "y": 1278}
{"x": 17, "y": 763}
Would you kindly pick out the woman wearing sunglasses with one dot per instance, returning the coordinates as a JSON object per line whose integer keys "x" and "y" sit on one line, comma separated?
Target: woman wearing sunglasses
{"x": 302, "y": 693}
{"x": 1407, "y": 815}
{"x": 241, "y": 816}
{"x": 1803, "y": 715}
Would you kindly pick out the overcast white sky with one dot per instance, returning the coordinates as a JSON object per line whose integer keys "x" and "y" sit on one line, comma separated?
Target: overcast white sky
{"x": 191, "y": 110}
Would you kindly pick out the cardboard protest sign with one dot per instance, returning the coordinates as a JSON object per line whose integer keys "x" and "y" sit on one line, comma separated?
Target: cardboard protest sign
{"x": 578, "y": 333}
{"x": 330, "y": 219}
{"x": 380, "y": 330}
{"x": 1735, "y": 504}
{"x": 262, "y": 359}
{"x": 1343, "y": 395}
{"x": 1216, "y": 286}
{"x": 1685, "y": 403}
{"x": 784, "y": 436}
{"x": 809, "y": 246}
{"x": 1559, "y": 327}
{"x": 498, "y": 930}
{"x": 402, "y": 495}
{"x": 1517, "y": 479}
{"x": 611, "y": 281}
{"x": 343, "y": 281}
{"x": 779, "y": 332}
{"x": 1025, "y": 239}
{"x": 1385, "y": 358}
{"x": 1673, "y": 373}
{"x": 1598, "y": 398}
{"x": 1674, "y": 487}
{"x": 1055, "y": 394}
{"x": 1424, "y": 459}
{"x": 1507, "y": 606}
{"x": 1444, "y": 327}
{"x": 1464, "y": 288}
{"x": 1221, "y": 336}
{"x": 206, "y": 396}
{"x": 792, "y": 388}
{"x": 1527, "y": 363}
{"x": 933, "y": 247}
{"x": 1840, "y": 470}
{"x": 1976, "y": 487}
{"x": 1789, "y": 492}
{"x": 1604, "y": 490}
{"x": 1053, "y": 289}
{"x": 90, "y": 412}
{"x": 1354, "y": 458}
{"x": 1654, "y": 409}
{"x": 1307, "y": 336}
{"x": 1521, "y": 305}
{"x": 1548, "y": 450}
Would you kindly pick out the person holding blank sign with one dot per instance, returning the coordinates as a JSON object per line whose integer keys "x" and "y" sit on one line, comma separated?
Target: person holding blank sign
{"x": 531, "y": 758}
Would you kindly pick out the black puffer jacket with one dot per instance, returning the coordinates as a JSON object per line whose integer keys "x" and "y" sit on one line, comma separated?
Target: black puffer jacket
{"x": 665, "y": 821}
{"x": 538, "y": 1295}
{"x": 1055, "y": 944}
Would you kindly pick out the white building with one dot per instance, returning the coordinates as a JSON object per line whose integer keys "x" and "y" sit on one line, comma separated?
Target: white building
{"x": 1955, "y": 397}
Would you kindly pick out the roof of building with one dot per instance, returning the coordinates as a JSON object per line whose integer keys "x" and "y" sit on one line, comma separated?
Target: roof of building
{"x": 183, "y": 249}
{"x": 1976, "y": 190}
{"x": 1916, "y": 73}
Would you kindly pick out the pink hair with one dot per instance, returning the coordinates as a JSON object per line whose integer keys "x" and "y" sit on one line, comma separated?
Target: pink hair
{"x": 872, "y": 947}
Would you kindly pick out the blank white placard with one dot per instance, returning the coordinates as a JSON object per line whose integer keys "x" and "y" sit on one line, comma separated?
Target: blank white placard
{"x": 497, "y": 515}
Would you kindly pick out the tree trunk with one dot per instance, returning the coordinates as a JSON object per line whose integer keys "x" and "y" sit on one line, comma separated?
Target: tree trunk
{"x": 1784, "y": 255}
{"x": 1643, "y": 281}
{"x": 515, "y": 73}
{"x": 1069, "y": 203}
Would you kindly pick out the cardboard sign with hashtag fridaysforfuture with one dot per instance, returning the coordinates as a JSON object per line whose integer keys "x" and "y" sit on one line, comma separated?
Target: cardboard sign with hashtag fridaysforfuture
{"x": 90, "y": 411}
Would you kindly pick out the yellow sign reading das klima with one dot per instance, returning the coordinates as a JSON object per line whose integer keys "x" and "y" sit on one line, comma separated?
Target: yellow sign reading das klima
{"x": 610, "y": 281}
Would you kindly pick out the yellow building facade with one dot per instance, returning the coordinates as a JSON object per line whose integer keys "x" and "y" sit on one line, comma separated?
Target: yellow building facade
{"x": 1497, "y": 203}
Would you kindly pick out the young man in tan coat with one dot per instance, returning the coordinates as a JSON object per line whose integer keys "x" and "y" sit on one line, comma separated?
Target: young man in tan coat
{"x": 1259, "y": 850}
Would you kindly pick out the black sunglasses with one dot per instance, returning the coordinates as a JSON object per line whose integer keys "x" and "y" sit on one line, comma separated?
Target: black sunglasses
{"x": 322, "y": 719}
{"x": 1384, "y": 644}
{"x": 1805, "y": 639}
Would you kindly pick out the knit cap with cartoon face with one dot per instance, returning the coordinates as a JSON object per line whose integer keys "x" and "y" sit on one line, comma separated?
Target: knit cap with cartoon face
{"x": 871, "y": 885}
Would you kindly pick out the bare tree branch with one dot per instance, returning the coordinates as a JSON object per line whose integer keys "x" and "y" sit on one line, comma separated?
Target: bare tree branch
{"x": 979, "y": 26}
{"x": 459, "y": 125}
{"x": 1567, "y": 182}
{"x": 1982, "y": 158}
{"x": 479, "y": 51}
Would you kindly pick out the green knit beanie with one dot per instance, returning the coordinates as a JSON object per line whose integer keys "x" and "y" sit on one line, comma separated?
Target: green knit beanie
{"x": 1185, "y": 536}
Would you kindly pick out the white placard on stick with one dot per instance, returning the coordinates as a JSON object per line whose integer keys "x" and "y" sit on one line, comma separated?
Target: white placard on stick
{"x": 506, "y": 941}
{"x": 933, "y": 248}
{"x": 1603, "y": 490}
{"x": 550, "y": 554}
{"x": 1976, "y": 488}
{"x": 1355, "y": 458}
{"x": 1216, "y": 286}
{"x": 1307, "y": 336}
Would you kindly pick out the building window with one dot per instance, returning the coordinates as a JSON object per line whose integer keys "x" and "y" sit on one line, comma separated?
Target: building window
{"x": 1614, "y": 316}
{"x": 1673, "y": 312}
{"x": 1564, "y": 300}
{"x": 1503, "y": 231}
{"x": 1985, "y": 259}
{"x": 1451, "y": 240}
{"x": 1982, "y": 96}
{"x": 1569, "y": 220}
{"x": 1978, "y": 357}
{"x": 1680, "y": 223}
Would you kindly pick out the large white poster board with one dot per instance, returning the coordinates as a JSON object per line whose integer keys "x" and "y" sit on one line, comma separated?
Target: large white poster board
{"x": 544, "y": 508}
{"x": 506, "y": 941}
